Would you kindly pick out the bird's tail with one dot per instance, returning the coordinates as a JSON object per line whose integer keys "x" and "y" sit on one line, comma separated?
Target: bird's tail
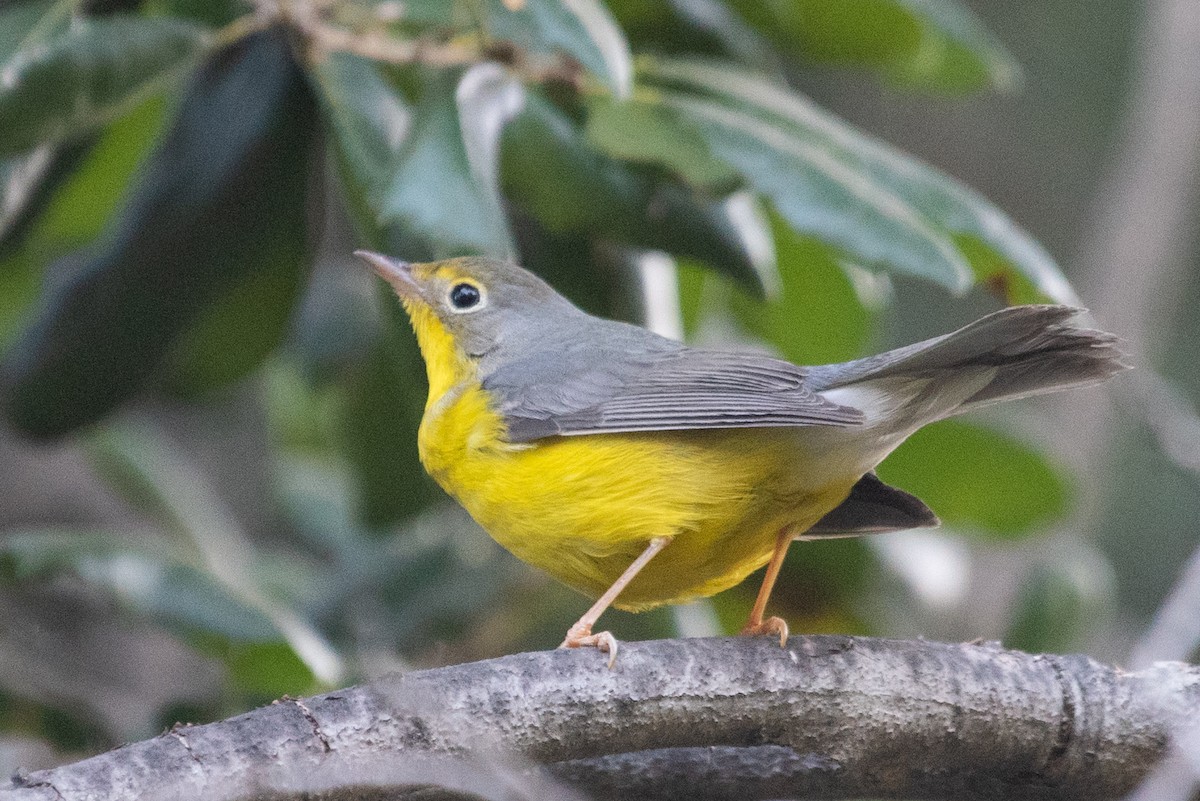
{"x": 1013, "y": 353}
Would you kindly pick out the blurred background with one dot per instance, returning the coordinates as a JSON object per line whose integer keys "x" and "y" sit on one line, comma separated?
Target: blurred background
{"x": 209, "y": 490}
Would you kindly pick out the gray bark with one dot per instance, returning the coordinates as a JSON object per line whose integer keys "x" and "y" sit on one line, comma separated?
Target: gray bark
{"x": 826, "y": 717}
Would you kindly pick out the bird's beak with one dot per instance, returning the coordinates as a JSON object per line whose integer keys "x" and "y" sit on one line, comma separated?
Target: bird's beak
{"x": 395, "y": 272}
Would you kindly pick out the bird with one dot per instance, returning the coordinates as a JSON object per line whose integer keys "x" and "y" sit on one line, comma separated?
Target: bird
{"x": 643, "y": 472}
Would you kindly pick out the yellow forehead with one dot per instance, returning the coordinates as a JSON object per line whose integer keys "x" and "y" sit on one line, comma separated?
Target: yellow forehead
{"x": 447, "y": 271}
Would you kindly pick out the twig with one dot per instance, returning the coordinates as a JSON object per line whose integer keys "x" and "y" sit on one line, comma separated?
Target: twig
{"x": 377, "y": 45}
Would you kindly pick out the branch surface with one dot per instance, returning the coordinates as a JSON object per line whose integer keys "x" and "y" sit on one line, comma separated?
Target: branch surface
{"x": 722, "y": 718}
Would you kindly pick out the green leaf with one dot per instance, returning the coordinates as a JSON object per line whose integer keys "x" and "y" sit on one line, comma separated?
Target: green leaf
{"x": 369, "y": 119}
{"x": 922, "y": 44}
{"x": 583, "y": 29}
{"x": 18, "y": 291}
{"x": 233, "y": 159}
{"x": 738, "y": 39}
{"x": 978, "y": 479}
{"x": 24, "y": 26}
{"x": 956, "y": 52}
{"x": 28, "y": 181}
{"x": 549, "y": 169}
{"x": 820, "y": 583}
{"x": 67, "y": 203}
{"x": 79, "y": 187}
{"x": 89, "y": 76}
{"x": 239, "y": 329}
{"x": 487, "y": 97}
{"x": 302, "y": 414}
{"x": 187, "y": 598}
{"x": 816, "y": 317}
{"x": 962, "y": 220}
{"x": 233, "y": 336}
{"x": 441, "y": 14}
{"x": 269, "y": 670}
{"x": 996, "y": 274}
{"x": 439, "y": 568}
{"x": 696, "y": 28}
{"x": 1048, "y": 613}
{"x": 649, "y": 133}
{"x": 612, "y": 58}
{"x": 433, "y": 189}
{"x": 26, "y": 185}
{"x": 821, "y": 195}
{"x": 88, "y": 200}
{"x": 575, "y": 267}
{"x": 42, "y": 552}
{"x": 370, "y": 123}
{"x": 430, "y": 589}
{"x": 316, "y": 498}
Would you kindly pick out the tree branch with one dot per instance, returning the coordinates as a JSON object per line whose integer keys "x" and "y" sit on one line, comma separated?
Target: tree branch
{"x": 830, "y": 717}
{"x": 308, "y": 18}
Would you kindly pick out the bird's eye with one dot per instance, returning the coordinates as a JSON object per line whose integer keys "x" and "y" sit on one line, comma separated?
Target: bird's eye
{"x": 465, "y": 296}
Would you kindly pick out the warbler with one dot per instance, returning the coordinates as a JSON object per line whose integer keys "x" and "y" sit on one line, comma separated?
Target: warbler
{"x": 642, "y": 472}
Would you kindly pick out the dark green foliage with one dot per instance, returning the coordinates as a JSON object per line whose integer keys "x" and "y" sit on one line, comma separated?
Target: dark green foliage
{"x": 86, "y": 77}
{"x": 594, "y": 195}
{"x": 221, "y": 200}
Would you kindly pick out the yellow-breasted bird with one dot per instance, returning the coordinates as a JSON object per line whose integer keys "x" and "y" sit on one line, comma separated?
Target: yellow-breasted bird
{"x": 644, "y": 472}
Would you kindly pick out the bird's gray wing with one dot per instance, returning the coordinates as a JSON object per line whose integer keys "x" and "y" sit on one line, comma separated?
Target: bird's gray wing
{"x": 585, "y": 390}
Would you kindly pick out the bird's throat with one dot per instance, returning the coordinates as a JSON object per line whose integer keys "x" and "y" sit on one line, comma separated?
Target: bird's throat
{"x": 446, "y": 366}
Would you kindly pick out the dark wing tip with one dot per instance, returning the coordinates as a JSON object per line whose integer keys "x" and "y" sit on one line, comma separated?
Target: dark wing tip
{"x": 873, "y": 507}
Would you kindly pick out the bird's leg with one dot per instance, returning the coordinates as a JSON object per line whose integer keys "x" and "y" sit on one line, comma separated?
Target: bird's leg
{"x": 580, "y": 634}
{"x": 772, "y": 625}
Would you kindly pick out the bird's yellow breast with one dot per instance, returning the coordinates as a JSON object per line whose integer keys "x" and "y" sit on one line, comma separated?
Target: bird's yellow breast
{"x": 583, "y": 507}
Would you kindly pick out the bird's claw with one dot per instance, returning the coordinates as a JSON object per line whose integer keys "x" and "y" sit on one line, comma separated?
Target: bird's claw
{"x": 580, "y": 636}
{"x": 772, "y": 625}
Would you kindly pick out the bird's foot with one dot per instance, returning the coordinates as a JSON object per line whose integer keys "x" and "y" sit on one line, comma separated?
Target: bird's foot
{"x": 580, "y": 636}
{"x": 772, "y": 625}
